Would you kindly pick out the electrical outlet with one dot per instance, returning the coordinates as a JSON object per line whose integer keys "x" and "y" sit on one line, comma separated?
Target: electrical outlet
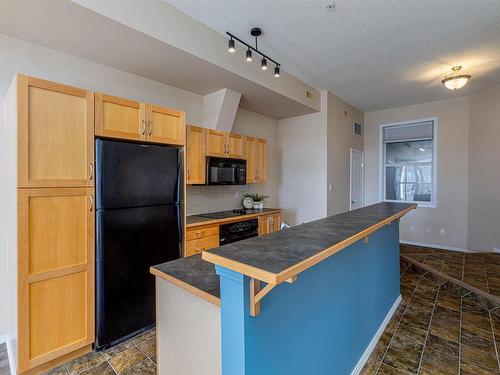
{"x": 442, "y": 232}
{"x": 412, "y": 228}
{"x": 428, "y": 230}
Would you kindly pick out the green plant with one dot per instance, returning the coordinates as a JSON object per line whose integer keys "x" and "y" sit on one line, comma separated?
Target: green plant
{"x": 256, "y": 197}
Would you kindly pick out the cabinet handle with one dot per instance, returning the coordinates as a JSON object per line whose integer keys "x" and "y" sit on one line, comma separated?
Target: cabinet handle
{"x": 189, "y": 175}
{"x": 150, "y": 126}
{"x": 143, "y": 132}
{"x": 91, "y": 202}
{"x": 91, "y": 171}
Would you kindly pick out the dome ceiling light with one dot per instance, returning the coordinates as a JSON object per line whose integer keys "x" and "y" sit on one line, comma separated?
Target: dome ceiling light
{"x": 456, "y": 81}
{"x": 255, "y": 32}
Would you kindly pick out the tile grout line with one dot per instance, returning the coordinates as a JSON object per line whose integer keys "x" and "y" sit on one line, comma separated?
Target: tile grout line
{"x": 460, "y": 333}
{"x": 397, "y": 326}
{"x": 494, "y": 340}
{"x": 428, "y": 330}
{"x": 486, "y": 275}
{"x": 109, "y": 364}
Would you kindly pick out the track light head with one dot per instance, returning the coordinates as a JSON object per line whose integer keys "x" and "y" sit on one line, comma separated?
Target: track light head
{"x": 263, "y": 64}
{"x": 276, "y": 71}
{"x": 231, "y": 48}
{"x": 249, "y": 55}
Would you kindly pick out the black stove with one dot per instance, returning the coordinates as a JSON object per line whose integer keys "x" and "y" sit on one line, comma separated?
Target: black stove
{"x": 225, "y": 214}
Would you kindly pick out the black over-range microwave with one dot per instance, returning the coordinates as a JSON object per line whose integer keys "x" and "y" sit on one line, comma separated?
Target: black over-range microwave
{"x": 224, "y": 171}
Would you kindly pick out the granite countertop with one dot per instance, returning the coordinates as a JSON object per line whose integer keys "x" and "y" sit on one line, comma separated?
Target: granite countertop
{"x": 192, "y": 272}
{"x": 277, "y": 257}
{"x": 195, "y": 220}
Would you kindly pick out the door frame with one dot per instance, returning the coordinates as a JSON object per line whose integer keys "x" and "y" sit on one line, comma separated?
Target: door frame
{"x": 351, "y": 152}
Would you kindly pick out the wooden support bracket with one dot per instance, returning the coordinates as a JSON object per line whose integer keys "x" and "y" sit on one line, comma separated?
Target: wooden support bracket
{"x": 366, "y": 239}
{"x": 256, "y": 294}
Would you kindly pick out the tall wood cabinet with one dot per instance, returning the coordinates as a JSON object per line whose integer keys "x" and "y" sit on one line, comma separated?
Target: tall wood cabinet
{"x": 195, "y": 155}
{"x": 55, "y": 218}
{"x": 256, "y": 155}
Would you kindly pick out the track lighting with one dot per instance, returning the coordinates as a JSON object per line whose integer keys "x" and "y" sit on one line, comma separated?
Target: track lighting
{"x": 249, "y": 55}
{"x": 255, "y": 32}
{"x": 263, "y": 64}
{"x": 276, "y": 71}
{"x": 231, "y": 47}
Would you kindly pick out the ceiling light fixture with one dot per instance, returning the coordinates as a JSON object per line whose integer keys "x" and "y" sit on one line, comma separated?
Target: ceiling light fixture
{"x": 255, "y": 32}
{"x": 456, "y": 81}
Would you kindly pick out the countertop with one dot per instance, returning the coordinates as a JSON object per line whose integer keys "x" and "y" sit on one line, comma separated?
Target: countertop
{"x": 282, "y": 255}
{"x": 197, "y": 220}
{"x": 279, "y": 256}
{"x": 192, "y": 273}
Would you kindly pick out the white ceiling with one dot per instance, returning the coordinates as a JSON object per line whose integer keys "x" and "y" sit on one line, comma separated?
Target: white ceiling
{"x": 374, "y": 54}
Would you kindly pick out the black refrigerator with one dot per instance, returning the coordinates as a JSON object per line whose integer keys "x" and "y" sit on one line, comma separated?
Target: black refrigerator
{"x": 138, "y": 225}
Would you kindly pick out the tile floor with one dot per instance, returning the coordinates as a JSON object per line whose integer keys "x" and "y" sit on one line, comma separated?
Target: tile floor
{"x": 4, "y": 360}
{"x": 481, "y": 270}
{"x": 136, "y": 356}
{"x": 439, "y": 328}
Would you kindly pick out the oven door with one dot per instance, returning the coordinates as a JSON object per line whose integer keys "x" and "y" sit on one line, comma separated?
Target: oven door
{"x": 222, "y": 171}
{"x": 238, "y": 231}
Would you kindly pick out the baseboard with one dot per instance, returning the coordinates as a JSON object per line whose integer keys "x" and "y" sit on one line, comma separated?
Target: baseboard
{"x": 495, "y": 250}
{"x": 443, "y": 247}
{"x": 375, "y": 338}
{"x": 12, "y": 363}
{"x": 3, "y": 338}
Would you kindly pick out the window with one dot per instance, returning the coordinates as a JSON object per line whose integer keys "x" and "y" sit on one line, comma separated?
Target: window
{"x": 408, "y": 173}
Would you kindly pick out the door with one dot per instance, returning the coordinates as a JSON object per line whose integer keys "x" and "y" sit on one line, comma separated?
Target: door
{"x": 56, "y": 273}
{"x": 135, "y": 175}
{"x": 261, "y": 160}
{"x": 165, "y": 125}
{"x": 357, "y": 179}
{"x": 250, "y": 152}
{"x": 119, "y": 118}
{"x": 195, "y": 159}
{"x": 234, "y": 145}
{"x": 55, "y": 134}
{"x": 216, "y": 143}
{"x": 129, "y": 242}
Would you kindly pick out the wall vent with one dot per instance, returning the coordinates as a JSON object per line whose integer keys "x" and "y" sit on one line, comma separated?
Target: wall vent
{"x": 358, "y": 128}
{"x": 309, "y": 95}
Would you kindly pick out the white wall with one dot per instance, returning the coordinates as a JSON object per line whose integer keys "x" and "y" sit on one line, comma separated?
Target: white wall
{"x": 4, "y": 295}
{"x": 341, "y": 138}
{"x": 452, "y": 169}
{"x": 303, "y": 174}
{"x": 484, "y": 170}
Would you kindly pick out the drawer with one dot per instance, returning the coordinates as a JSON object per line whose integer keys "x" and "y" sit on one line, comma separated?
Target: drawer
{"x": 201, "y": 232}
{"x": 205, "y": 243}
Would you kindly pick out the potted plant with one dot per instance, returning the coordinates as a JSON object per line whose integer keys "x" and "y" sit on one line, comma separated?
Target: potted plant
{"x": 258, "y": 200}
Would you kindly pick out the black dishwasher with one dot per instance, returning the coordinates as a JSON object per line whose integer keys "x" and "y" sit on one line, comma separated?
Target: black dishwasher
{"x": 238, "y": 231}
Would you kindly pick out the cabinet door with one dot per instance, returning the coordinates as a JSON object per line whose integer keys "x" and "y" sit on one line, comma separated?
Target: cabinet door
{"x": 216, "y": 143}
{"x": 195, "y": 156}
{"x": 165, "y": 125}
{"x": 55, "y": 134}
{"x": 251, "y": 166}
{"x": 119, "y": 118}
{"x": 55, "y": 273}
{"x": 261, "y": 160}
{"x": 235, "y": 145}
{"x": 275, "y": 222}
{"x": 264, "y": 225}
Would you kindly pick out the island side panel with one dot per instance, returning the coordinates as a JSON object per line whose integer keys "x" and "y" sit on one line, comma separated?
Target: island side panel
{"x": 188, "y": 332}
{"x": 323, "y": 322}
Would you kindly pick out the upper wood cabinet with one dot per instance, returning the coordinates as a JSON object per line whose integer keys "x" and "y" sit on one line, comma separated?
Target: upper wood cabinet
{"x": 165, "y": 125}
{"x": 195, "y": 155}
{"x": 225, "y": 145}
{"x": 127, "y": 119}
{"x": 256, "y": 155}
{"x": 55, "y": 134}
{"x": 55, "y": 273}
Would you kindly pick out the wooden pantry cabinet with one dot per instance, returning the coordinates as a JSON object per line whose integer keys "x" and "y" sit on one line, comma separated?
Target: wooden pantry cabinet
{"x": 127, "y": 119}
{"x": 51, "y": 249}
{"x": 195, "y": 155}
{"x": 256, "y": 155}
{"x": 224, "y": 145}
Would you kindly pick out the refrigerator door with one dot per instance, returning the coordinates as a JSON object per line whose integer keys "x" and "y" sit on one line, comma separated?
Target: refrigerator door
{"x": 135, "y": 175}
{"x": 129, "y": 242}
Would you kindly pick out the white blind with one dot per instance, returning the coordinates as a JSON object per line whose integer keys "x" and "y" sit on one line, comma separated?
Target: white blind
{"x": 409, "y": 132}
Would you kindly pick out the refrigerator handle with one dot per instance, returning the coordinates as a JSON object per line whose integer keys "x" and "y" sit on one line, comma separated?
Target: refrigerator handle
{"x": 179, "y": 228}
{"x": 178, "y": 185}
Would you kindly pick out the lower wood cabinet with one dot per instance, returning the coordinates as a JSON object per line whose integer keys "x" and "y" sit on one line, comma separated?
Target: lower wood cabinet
{"x": 201, "y": 238}
{"x": 55, "y": 273}
{"x": 269, "y": 223}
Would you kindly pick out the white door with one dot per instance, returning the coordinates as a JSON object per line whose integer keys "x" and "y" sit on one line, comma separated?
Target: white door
{"x": 357, "y": 179}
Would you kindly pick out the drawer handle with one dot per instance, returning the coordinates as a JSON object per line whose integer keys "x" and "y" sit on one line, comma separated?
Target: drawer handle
{"x": 200, "y": 234}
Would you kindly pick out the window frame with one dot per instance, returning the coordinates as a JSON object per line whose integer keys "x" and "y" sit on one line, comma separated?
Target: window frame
{"x": 382, "y": 161}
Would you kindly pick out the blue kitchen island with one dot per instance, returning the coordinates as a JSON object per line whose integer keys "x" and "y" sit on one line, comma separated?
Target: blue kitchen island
{"x": 312, "y": 299}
